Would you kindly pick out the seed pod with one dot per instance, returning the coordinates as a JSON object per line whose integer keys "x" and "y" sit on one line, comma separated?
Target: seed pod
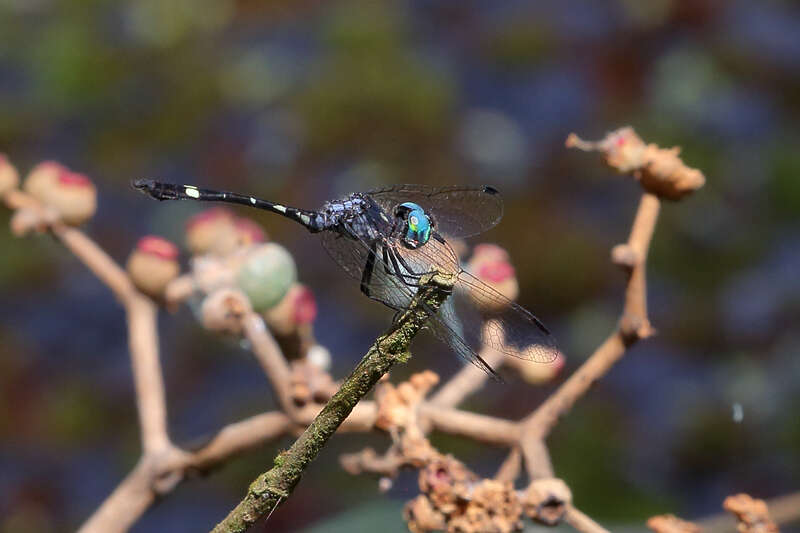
{"x": 153, "y": 264}
{"x": 9, "y": 177}
{"x": 72, "y": 194}
{"x": 267, "y": 275}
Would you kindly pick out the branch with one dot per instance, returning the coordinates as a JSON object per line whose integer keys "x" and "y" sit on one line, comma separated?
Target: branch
{"x": 272, "y": 487}
{"x": 633, "y": 326}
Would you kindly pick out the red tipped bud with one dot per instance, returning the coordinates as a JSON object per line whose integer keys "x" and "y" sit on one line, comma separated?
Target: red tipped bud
{"x": 213, "y": 230}
{"x": 297, "y": 308}
{"x": 249, "y": 232}
{"x": 153, "y": 264}
{"x": 73, "y": 195}
{"x": 490, "y": 264}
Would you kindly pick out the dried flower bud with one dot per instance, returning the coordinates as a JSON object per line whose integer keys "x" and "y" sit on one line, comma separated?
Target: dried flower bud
{"x": 72, "y": 194}
{"x": 447, "y": 483}
{"x": 751, "y": 513}
{"x": 153, "y": 264}
{"x": 659, "y": 170}
{"x": 212, "y": 231}
{"x": 493, "y": 506}
{"x": 267, "y": 275}
{"x": 9, "y": 177}
{"x": 297, "y": 308}
{"x": 223, "y": 310}
{"x": 546, "y": 500}
{"x": 421, "y": 516}
{"x": 490, "y": 264}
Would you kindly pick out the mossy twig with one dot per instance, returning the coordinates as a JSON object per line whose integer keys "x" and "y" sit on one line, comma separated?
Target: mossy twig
{"x": 271, "y": 488}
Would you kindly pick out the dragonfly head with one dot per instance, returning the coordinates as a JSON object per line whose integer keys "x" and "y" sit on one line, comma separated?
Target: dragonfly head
{"x": 417, "y": 224}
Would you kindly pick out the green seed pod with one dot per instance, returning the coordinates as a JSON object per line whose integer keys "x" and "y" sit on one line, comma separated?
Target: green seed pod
{"x": 267, "y": 275}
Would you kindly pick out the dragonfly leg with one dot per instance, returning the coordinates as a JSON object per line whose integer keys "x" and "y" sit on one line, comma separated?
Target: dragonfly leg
{"x": 399, "y": 273}
{"x": 385, "y": 253}
{"x": 366, "y": 276}
{"x": 405, "y": 265}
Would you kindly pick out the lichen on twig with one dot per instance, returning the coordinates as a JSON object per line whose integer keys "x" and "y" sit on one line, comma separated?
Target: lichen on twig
{"x": 273, "y": 486}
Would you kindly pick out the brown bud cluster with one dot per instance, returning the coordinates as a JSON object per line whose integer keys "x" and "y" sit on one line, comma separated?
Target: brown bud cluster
{"x": 454, "y": 499}
{"x": 396, "y": 404}
{"x": 751, "y": 513}
{"x": 659, "y": 170}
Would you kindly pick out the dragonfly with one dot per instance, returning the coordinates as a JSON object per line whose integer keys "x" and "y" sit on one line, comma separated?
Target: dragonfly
{"x": 389, "y": 239}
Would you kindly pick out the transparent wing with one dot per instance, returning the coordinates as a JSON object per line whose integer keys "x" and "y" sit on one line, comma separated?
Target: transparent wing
{"x": 457, "y": 211}
{"x": 353, "y": 255}
{"x": 512, "y": 330}
{"x": 462, "y": 322}
{"x": 387, "y": 287}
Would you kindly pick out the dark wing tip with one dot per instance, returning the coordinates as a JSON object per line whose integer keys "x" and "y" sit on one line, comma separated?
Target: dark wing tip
{"x": 490, "y": 190}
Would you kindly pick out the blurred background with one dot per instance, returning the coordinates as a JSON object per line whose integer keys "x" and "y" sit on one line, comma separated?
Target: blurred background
{"x": 300, "y": 102}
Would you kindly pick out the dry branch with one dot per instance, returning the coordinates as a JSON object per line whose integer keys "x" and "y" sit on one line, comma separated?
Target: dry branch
{"x": 274, "y": 486}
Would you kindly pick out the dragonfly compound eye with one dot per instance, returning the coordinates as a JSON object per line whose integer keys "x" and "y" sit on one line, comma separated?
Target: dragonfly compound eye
{"x": 418, "y": 224}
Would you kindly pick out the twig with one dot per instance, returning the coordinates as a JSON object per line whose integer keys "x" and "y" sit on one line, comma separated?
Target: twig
{"x": 272, "y": 360}
{"x": 149, "y": 383}
{"x": 581, "y": 522}
{"x": 271, "y": 487}
{"x": 633, "y": 326}
{"x": 466, "y": 381}
{"x": 509, "y": 469}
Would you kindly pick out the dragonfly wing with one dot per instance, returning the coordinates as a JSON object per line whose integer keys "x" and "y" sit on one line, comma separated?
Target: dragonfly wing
{"x": 352, "y": 255}
{"x": 391, "y": 290}
{"x": 457, "y": 211}
{"x": 511, "y": 328}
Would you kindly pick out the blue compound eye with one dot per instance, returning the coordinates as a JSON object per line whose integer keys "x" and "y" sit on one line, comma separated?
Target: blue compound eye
{"x": 418, "y": 230}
